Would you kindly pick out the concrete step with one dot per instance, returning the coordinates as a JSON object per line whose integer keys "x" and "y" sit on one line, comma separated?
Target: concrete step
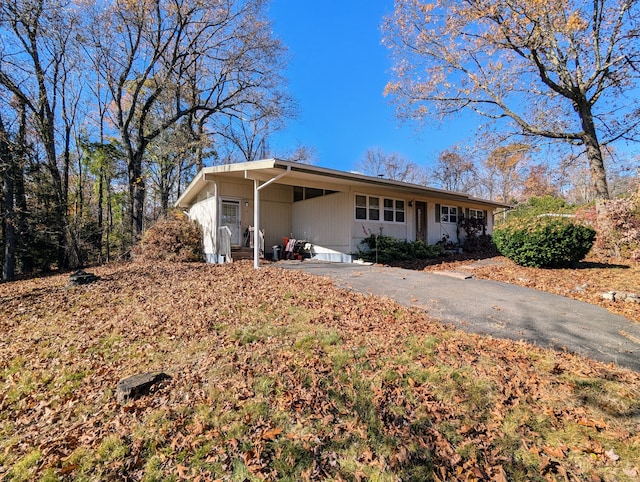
{"x": 241, "y": 253}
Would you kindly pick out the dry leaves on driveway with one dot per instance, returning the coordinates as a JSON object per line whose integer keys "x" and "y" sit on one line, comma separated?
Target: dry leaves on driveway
{"x": 587, "y": 282}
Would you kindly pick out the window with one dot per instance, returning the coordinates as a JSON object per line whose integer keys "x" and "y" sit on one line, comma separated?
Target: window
{"x": 361, "y": 207}
{"x": 476, "y": 214}
{"x": 302, "y": 193}
{"x": 448, "y": 214}
{"x": 311, "y": 192}
{"x": 374, "y": 208}
{"x": 369, "y": 208}
{"x": 399, "y": 211}
{"x": 389, "y": 213}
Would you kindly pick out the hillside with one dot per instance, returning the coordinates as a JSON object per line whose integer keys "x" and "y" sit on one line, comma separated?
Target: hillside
{"x": 277, "y": 375}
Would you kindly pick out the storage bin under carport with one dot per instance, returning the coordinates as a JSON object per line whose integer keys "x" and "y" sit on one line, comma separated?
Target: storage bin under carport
{"x": 276, "y": 253}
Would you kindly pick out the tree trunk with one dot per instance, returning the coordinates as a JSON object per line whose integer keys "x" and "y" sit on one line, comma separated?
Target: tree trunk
{"x": 109, "y": 224}
{"x": 137, "y": 194}
{"x": 7, "y": 163}
{"x": 593, "y": 150}
{"x": 100, "y": 215}
{"x": 24, "y": 253}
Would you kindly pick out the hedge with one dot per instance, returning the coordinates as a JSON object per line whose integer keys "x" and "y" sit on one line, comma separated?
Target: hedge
{"x": 544, "y": 241}
{"x": 390, "y": 249}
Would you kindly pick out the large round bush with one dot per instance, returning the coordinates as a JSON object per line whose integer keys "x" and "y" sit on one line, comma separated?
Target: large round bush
{"x": 544, "y": 242}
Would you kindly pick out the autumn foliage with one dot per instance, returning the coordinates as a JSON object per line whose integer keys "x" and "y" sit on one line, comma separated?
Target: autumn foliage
{"x": 174, "y": 237}
{"x": 618, "y": 227}
{"x": 278, "y": 375}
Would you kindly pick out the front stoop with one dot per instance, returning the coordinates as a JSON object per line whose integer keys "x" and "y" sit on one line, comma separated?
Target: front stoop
{"x": 241, "y": 253}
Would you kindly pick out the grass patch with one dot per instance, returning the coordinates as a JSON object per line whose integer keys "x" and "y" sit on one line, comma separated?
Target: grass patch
{"x": 24, "y": 468}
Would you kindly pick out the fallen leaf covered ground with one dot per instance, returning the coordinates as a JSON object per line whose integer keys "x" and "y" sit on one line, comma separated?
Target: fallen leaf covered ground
{"x": 278, "y": 375}
{"x": 586, "y": 282}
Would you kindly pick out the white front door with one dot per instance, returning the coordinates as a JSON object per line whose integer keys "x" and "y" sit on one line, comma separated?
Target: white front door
{"x": 230, "y": 210}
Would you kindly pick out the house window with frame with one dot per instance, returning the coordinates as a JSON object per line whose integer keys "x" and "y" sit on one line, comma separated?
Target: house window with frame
{"x": 389, "y": 212}
{"x": 368, "y": 208}
{"x": 448, "y": 214}
{"x": 399, "y": 211}
{"x": 374, "y": 208}
{"x": 361, "y": 207}
{"x": 476, "y": 214}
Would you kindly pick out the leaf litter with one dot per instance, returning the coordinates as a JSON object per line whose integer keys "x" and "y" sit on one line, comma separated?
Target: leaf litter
{"x": 586, "y": 282}
{"x": 278, "y": 375}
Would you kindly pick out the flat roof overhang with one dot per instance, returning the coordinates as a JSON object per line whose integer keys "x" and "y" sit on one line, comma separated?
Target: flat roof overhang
{"x": 313, "y": 176}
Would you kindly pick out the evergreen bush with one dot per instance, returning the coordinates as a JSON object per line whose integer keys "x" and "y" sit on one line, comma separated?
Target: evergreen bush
{"x": 174, "y": 237}
{"x": 537, "y": 206}
{"x": 390, "y": 249}
{"x": 544, "y": 241}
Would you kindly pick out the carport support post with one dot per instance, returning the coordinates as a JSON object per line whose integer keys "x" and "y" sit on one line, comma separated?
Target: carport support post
{"x": 256, "y": 214}
{"x": 256, "y": 223}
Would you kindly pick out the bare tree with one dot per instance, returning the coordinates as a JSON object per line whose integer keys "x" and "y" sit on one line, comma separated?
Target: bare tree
{"x": 34, "y": 66}
{"x": 212, "y": 57}
{"x": 557, "y": 70}
{"x": 7, "y": 213}
{"x": 249, "y": 133}
{"x": 455, "y": 171}
{"x": 504, "y": 170}
{"x": 168, "y": 156}
{"x": 376, "y": 162}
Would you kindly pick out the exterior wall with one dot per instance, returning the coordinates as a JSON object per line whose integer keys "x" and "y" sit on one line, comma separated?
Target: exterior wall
{"x": 205, "y": 212}
{"x": 327, "y": 222}
{"x": 362, "y": 229}
{"x": 436, "y": 230}
{"x": 275, "y": 215}
{"x": 324, "y": 221}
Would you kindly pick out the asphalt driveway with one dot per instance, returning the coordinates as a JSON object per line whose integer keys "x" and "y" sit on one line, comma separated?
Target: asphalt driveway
{"x": 492, "y": 308}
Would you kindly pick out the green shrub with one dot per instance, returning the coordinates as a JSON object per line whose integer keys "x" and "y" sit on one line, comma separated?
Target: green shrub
{"x": 482, "y": 244}
{"x": 544, "y": 241}
{"x": 389, "y": 249}
{"x": 537, "y": 206}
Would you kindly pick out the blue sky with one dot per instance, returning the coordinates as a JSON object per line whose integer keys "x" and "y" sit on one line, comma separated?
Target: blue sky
{"x": 337, "y": 72}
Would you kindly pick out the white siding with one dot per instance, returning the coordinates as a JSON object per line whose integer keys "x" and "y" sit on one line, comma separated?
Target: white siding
{"x": 362, "y": 229}
{"x": 325, "y": 221}
{"x": 275, "y": 215}
{"x": 205, "y": 213}
{"x": 436, "y": 230}
{"x": 275, "y": 202}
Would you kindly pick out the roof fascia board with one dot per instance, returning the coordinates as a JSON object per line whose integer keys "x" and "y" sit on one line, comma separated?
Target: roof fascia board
{"x": 190, "y": 192}
{"x": 252, "y": 170}
{"x": 387, "y": 183}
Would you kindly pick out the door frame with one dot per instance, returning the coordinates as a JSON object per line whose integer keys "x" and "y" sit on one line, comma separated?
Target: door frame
{"x": 237, "y": 239}
{"x": 423, "y": 220}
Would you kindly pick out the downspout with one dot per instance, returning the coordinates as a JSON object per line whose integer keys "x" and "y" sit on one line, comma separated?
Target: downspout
{"x": 256, "y": 214}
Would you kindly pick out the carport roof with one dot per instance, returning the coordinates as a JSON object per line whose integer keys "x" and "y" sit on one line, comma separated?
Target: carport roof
{"x": 305, "y": 175}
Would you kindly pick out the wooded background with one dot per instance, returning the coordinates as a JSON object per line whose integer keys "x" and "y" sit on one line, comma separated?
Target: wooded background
{"x": 109, "y": 108}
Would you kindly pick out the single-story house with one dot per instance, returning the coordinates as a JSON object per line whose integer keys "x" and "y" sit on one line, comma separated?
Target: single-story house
{"x": 330, "y": 211}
